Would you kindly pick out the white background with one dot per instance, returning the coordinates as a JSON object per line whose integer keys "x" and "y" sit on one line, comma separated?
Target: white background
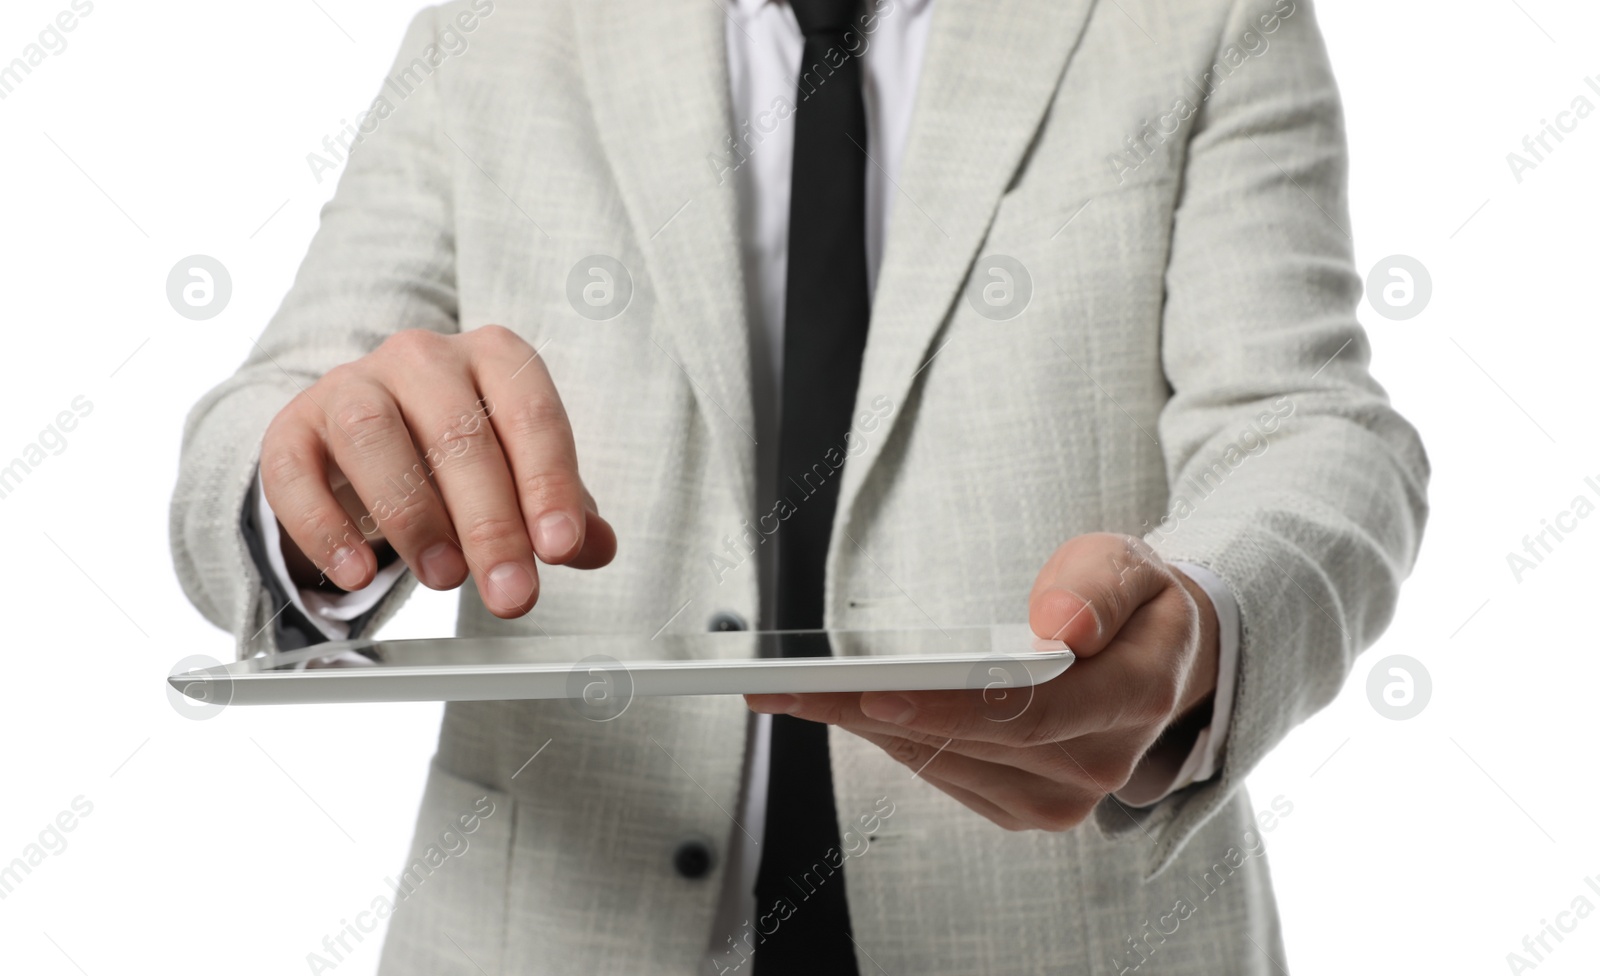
{"x": 169, "y": 128}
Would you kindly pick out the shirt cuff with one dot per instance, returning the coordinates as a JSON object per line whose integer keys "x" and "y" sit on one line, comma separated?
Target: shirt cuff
{"x": 1156, "y": 778}
{"x": 329, "y": 612}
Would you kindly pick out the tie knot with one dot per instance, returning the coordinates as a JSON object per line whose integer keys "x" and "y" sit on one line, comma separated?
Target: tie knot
{"x": 823, "y": 16}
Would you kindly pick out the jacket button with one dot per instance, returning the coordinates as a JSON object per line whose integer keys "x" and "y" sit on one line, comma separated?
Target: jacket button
{"x": 692, "y": 859}
{"x": 725, "y": 620}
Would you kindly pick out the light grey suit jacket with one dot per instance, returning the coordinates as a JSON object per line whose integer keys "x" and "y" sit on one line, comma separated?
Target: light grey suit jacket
{"x": 1171, "y": 175}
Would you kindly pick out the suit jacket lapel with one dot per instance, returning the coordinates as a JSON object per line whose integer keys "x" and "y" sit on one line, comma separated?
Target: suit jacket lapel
{"x": 988, "y": 76}
{"x": 656, "y": 74}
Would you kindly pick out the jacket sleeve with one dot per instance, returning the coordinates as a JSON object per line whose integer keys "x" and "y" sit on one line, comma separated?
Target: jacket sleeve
{"x": 382, "y": 260}
{"x": 1291, "y": 477}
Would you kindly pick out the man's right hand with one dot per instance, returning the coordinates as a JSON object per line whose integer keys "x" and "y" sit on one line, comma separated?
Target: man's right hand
{"x": 461, "y": 455}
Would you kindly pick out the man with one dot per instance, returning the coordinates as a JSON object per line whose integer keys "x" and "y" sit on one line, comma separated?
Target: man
{"x": 930, "y": 314}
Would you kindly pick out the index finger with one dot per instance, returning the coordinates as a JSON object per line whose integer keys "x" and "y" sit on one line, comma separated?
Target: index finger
{"x": 524, "y": 408}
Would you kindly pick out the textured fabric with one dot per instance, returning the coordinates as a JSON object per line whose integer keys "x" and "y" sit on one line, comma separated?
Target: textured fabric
{"x": 1188, "y": 366}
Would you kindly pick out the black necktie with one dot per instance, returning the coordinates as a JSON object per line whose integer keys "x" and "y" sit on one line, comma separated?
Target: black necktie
{"x": 825, "y": 331}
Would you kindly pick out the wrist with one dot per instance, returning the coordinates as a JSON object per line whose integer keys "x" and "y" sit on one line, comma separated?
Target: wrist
{"x": 1200, "y": 685}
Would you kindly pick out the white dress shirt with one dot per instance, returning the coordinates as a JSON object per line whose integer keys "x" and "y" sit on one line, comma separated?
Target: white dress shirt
{"x": 764, "y": 46}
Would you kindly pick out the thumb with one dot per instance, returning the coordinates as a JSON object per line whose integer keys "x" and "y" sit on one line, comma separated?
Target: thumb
{"x": 1090, "y": 586}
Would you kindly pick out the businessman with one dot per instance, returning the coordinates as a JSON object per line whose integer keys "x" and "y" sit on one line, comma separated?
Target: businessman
{"x": 865, "y": 315}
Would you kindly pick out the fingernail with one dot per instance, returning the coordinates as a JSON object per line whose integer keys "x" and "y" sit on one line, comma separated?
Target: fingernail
{"x": 1085, "y": 607}
{"x": 555, "y": 535}
{"x": 440, "y": 566}
{"x": 774, "y": 704}
{"x": 888, "y": 708}
{"x": 510, "y": 584}
{"x": 345, "y": 568}
{"x": 1094, "y": 614}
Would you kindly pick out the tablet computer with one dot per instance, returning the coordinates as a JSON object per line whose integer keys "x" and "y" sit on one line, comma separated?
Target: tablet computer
{"x": 614, "y": 668}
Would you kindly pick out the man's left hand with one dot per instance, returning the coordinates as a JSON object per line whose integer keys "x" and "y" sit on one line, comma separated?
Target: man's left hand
{"x": 1145, "y": 636}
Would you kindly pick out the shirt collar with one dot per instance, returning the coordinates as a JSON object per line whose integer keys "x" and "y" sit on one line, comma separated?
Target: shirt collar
{"x": 747, "y": 9}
